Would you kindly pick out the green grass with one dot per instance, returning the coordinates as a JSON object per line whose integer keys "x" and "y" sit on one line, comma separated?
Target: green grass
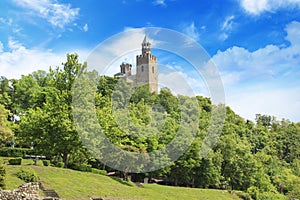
{"x": 70, "y": 184}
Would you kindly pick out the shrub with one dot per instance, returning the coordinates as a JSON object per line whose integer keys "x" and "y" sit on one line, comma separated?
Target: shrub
{"x": 85, "y": 168}
{"x": 27, "y": 175}
{"x": 60, "y": 164}
{"x": 15, "y": 152}
{"x": 98, "y": 171}
{"x": 80, "y": 167}
{"x": 253, "y": 192}
{"x": 46, "y": 162}
{"x": 243, "y": 195}
{"x": 271, "y": 195}
{"x": 15, "y": 161}
{"x": 2, "y": 177}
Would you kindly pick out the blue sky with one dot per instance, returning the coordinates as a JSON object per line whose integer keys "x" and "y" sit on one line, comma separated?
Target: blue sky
{"x": 254, "y": 43}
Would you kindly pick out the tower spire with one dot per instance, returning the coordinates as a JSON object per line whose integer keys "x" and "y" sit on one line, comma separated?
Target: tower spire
{"x": 146, "y": 46}
{"x": 145, "y": 39}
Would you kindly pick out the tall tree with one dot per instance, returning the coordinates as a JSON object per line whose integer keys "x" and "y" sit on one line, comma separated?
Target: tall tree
{"x": 6, "y": 133}
{"x": 51, "y": 127}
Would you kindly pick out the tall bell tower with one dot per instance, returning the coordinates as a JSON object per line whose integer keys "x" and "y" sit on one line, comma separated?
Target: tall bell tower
{"x": 146, "y": 67}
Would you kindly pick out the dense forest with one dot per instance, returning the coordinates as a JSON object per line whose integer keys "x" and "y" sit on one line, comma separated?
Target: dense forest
{"x": 261, "y": 158}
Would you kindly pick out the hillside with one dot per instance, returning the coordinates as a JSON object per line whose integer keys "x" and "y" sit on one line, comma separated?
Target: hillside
{"x": 71, "y": 184}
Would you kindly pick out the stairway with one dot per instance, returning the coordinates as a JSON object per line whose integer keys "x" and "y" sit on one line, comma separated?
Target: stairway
{"x": 48, "y": 193}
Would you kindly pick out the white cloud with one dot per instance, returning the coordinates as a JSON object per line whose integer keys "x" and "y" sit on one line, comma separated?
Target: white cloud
{"x": 223, "y": 36}
{"x": 177, "y": 82}
{"x": 20, "y": 60}
{"x": 279, "y": 102}
{"x": 228, "y": 23}
{"x": 191, "y": 31}
{"x": 113, "y": 51}
{"x": 265, "y": 80}
{"x": 256, "y": 7}
{"x": 1, "y": 47}
{"x": 159, "y": 2}
{"x": 14, "y": 44}
{"x": 85, "y": 28}
{"x": 58, "y": 15}
{"x": 226, "y": 27}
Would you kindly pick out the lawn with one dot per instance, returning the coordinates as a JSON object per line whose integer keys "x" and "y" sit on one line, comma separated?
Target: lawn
{"x": 71, "y": 185}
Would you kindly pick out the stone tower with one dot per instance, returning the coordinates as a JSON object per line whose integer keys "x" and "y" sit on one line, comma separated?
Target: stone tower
{"x": 146, "y": 67}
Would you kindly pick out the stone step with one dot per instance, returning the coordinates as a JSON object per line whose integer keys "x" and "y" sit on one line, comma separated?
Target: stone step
{"x": 51, "y": 193}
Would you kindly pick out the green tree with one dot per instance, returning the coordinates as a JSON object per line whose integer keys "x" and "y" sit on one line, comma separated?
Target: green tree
{"x": 51, "y": 127}
{"x": 6, "y": 133}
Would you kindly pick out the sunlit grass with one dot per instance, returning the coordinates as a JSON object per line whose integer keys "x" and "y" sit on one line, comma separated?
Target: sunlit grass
{"x": 71, "y": 184}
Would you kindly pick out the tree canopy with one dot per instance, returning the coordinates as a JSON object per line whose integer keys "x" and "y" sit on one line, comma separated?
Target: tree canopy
{"x": 261, "y": 158}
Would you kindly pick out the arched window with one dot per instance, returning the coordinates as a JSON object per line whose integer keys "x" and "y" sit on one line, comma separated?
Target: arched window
{"x": 153, "y": 69}
{"x": 142, "y": 68}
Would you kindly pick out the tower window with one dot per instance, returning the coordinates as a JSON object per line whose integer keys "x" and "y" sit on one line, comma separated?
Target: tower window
{"x": 142, "y": 68}
{"x": 153, "y": 69}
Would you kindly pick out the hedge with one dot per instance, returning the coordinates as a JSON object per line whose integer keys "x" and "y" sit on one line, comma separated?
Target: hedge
{"x": 99, "y": 171}
{"x": 15, "y": 152}
{"x": 60, "y": 164}
{"x": 80, "y": 167}
{"x": 15, "y": 161}
{"x": 2, "y": 177}
{"x": 27, "y": 175}
{"x": 46, "y": 162}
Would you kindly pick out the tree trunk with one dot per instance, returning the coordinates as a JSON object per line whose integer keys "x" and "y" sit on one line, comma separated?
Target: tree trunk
{"x": 65, "y": 159}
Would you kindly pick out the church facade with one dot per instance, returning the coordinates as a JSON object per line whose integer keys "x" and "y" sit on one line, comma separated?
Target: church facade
{"x": 146, "y": 68}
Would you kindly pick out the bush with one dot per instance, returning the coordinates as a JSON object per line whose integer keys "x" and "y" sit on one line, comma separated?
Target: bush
{"x": 27, "y": 175}
{"x": 2, "y": 177}
{"x": 98, "y": 171}
{"x": 243, "y": 195}
{"x": 85, "y": 168}
{"x": 46, "y": 162}
{"x": 60, "y": 164}
{"x": 15, "y": 152}
{"x": 80, "y": 167}
{"x": 271, "y": 196}
{"x": 15, "y": 161}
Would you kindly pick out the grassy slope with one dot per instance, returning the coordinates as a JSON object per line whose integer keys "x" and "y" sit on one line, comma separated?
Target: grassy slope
{"x": 70, "y": 184}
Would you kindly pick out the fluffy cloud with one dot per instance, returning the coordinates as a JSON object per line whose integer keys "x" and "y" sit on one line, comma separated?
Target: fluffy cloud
{"x": 256, "y": 7}
{"x": 19, "y": 60}
{"x": 281, "y": 102}
{"x": 265, "y": 80}
{"x": 58, "y": 15}
{"x": 179, "y": 82}
{"x": 115, "y": 50}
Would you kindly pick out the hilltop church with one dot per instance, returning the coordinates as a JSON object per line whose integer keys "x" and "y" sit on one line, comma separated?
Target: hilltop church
{"x": 146, "y": 68}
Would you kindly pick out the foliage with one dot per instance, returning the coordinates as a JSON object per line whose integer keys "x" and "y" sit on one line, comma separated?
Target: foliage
{"x": 15, "y": 152}
{"x": 50, "y": 127}
{"x": 46, "y": 162}
{"x": 259, "y": 158}
{"x": 2, "y": 176}
{"x": 99, "y": 171}
{"x": 15, "y": 161}
{"x": 6, "y": 133}
{"x": 81, "y": 167}
{"x": 60, "y": 164}
{"x": 27, "y": 174}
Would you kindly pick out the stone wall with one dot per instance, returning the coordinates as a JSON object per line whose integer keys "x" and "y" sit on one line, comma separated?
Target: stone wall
{"x": 28, "y": 191}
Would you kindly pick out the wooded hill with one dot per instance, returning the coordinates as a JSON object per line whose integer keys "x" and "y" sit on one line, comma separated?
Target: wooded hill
{"x": 261, "y": 158}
